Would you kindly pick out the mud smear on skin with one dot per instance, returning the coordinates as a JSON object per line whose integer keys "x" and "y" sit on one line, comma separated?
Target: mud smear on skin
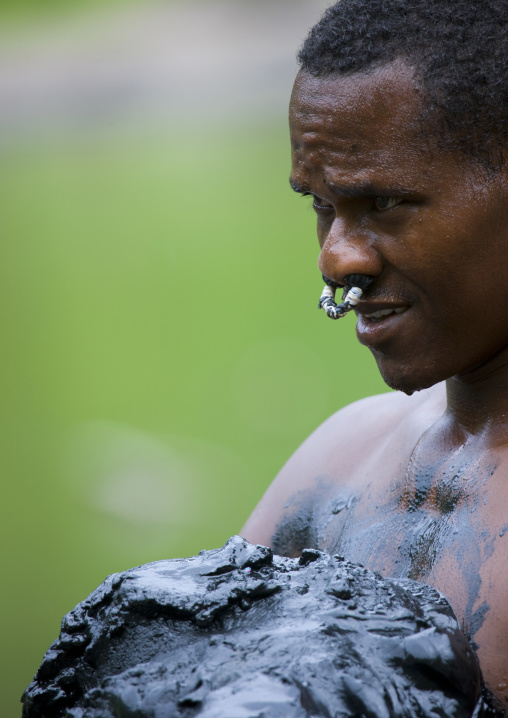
{"x": 405, "y": 533}
{"x": 314, "y": 517}
{"x": 441, "y": 502}
{"x": 240, "y": 632}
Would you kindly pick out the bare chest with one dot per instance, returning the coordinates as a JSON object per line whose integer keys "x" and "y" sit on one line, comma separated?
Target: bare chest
{"x": 442, "y": 521}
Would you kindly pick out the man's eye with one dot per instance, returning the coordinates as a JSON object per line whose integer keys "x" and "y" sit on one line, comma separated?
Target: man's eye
{"x": 383, "y": 203}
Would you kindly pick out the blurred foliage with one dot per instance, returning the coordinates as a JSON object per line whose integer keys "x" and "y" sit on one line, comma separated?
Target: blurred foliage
{"x": 28, "y": 9}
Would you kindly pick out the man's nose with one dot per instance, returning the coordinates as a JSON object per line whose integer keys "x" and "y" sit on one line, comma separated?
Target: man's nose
{"x": 347, "y": 251}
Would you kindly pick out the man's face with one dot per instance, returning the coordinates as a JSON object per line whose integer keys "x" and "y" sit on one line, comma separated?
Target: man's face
{"x": 429, "y": 225}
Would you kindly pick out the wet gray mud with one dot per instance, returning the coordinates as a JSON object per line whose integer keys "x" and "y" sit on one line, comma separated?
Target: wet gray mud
{"x": 240, "y": 633}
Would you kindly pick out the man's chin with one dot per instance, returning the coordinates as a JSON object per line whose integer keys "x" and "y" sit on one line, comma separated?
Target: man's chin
{"x": 405, "y": 386}
{"x": 406, "y": 378}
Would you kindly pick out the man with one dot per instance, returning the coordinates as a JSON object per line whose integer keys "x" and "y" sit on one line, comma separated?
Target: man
{"x": 399, "y": 123}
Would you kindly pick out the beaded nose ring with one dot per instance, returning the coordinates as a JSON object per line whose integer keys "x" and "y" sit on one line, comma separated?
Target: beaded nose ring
{"x": 356, "y": 284}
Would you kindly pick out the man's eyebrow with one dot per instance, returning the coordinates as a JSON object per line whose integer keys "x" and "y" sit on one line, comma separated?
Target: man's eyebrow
{"x": 355, "y": 191}
{"x": 368, "y": 189}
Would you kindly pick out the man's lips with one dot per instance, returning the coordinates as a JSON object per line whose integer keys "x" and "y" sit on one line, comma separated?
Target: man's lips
{"x": 379, "y": 322}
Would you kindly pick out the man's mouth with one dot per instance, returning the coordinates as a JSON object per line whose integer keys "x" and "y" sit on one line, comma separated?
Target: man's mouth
{"x": 381, "y": 313}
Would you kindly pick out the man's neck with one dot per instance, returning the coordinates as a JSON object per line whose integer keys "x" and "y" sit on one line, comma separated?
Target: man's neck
{"x": 478, "y": 400}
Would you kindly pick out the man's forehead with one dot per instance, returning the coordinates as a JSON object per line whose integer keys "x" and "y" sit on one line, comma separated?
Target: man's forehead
{"x": 346, "y": 128}
{"x": 375, "y": 88}
{"x": 364, "y": 127}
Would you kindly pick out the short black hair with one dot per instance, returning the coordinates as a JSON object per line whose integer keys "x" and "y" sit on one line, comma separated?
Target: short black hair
{"x": 458, "y": 48}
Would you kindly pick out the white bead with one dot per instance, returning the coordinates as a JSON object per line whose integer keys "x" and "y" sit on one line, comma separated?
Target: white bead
{"x": 328, "y": 292}
{"x": 354, "y": 295}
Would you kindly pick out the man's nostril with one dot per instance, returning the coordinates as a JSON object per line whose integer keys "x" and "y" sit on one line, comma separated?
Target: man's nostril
{"x": 330, "y": 282}
{"x": 358, "y": 280}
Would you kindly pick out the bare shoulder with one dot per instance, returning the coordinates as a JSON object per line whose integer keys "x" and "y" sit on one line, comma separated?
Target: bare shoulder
{"x": 341, "y": 448}
{"x": 381, "y": 413}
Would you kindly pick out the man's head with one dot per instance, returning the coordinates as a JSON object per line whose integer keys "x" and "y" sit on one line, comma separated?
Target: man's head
{"x": 425, "y": 215}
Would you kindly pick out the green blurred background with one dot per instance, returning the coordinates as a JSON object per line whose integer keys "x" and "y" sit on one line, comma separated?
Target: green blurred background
{"x": 162, "y": 354}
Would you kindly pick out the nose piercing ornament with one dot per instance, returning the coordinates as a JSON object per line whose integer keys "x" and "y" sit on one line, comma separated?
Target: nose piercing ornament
{"x": 355, "y": 286}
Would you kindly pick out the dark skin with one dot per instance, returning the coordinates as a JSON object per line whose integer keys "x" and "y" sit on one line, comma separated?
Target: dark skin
{"x": 412, "y": 483}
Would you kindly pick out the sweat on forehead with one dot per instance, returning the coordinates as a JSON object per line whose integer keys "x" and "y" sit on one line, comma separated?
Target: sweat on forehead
{"x": 368, "y": 95}
{"x": 344, "y": 124}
